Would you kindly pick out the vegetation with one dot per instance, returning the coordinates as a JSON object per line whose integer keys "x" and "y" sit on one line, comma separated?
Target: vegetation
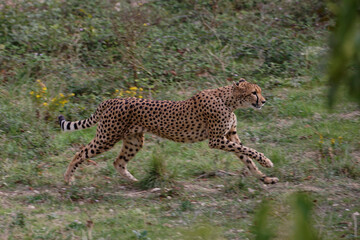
{"x": 68, "y": 56}
{"x": 345, "y": 57}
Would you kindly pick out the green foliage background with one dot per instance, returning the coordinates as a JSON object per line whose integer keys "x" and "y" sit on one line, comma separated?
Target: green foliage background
{"x": 83, "y": 52}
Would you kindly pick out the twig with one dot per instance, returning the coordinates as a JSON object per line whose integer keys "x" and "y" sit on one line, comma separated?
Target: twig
{"x": 354, "y": 215}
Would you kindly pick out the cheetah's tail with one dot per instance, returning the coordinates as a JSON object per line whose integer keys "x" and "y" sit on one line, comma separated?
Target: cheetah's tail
{"x": 71, "y": 126}
{"x": 77, "y": 125}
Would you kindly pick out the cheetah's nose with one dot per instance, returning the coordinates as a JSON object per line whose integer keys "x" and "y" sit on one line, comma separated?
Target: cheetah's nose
{"x": 263, "y": 102}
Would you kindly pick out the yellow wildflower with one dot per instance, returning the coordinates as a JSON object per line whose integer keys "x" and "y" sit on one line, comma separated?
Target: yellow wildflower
{"x": 133, "y": 88}
{"x": 44, "y": 88}
{"x": 32, "y": 93}
{"x": 145, "y": 24}
{"x": 141, "y": 89}
{"x": 72, "y": 94}
{"x": 333, "y": 141}
{"x": 128, "y": 92}
{"x": 45, "y": 104}
{"x": 61, "y": 95}
{"x": 140, "y": 96}
{"x": 38, "y": 96}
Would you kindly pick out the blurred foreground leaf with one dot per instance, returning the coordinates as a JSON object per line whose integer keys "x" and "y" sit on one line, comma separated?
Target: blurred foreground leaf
{"x": 261, "y": 227}
{"x": 344, "y": 64}
{"x": 304, "y": 225}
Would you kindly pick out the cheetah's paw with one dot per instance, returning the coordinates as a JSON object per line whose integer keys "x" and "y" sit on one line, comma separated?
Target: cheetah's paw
{"x": 270, "y": 180}
{"x": 69, "y": 179}
{"x": 267, "y": 162}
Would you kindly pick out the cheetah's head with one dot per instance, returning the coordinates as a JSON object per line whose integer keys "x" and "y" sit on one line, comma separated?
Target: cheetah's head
{"x": 248, "y": 95}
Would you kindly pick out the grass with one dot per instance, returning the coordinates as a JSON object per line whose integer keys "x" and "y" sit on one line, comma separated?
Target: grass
{"x": 172, "y": 49}
{"x": 37, "y": 204}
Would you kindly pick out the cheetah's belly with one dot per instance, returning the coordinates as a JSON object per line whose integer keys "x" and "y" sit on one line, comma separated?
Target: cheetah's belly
{"x": 186, "y": 133}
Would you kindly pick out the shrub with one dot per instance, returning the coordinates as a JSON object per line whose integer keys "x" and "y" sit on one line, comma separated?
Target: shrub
{"x": 157, "y": 174}
{"x": 44, "y": 101}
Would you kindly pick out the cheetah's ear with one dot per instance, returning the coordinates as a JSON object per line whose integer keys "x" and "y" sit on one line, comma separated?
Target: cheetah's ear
{"x": 237, "y": 84}
{"x": 242, "y": 80}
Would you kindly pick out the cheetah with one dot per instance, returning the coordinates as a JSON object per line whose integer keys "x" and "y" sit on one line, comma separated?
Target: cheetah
{"x": 207, "y": 115}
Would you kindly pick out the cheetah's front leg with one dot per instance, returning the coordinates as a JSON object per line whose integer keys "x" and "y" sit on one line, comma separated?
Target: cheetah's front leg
{"x": 131, "y": 145}
{"x": 224, "y": 144}
{"x": 244, "y": 153}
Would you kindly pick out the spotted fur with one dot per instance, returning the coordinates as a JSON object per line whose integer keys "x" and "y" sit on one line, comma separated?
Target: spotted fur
{"x": 207, "y": 115}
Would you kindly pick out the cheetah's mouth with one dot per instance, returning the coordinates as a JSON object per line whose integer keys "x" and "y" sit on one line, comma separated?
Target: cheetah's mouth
{"x": 256, "y": 106}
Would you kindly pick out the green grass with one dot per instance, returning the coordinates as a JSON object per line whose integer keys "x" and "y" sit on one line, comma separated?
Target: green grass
{"x": 173, "y": 49}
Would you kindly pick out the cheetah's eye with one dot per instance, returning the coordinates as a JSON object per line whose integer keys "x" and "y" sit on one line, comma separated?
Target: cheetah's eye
{"x": 254, "y": 93}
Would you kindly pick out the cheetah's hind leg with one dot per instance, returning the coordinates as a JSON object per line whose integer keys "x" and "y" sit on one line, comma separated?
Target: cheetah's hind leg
{"x": 90, "y": 150}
